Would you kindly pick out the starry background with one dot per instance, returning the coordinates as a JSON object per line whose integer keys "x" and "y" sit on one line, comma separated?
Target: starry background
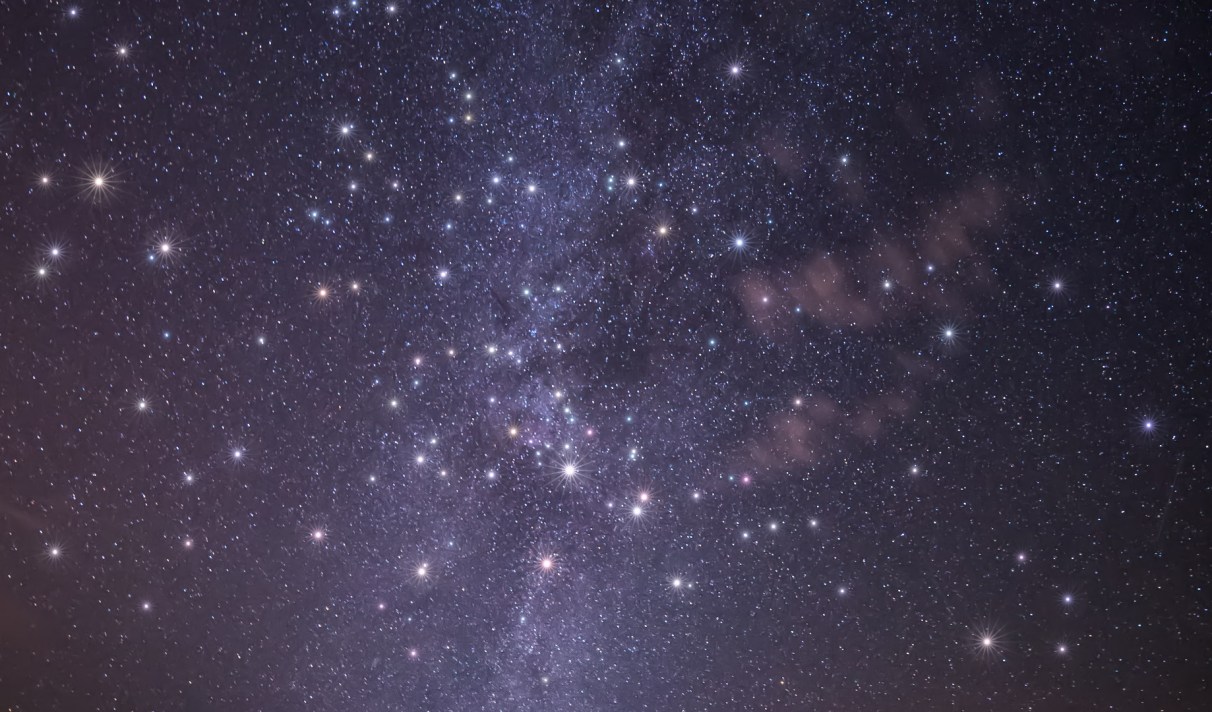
{"x": 654, "y": 356}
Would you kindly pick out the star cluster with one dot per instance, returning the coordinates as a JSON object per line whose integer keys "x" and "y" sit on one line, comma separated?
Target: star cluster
{"x": 603, "y": 355}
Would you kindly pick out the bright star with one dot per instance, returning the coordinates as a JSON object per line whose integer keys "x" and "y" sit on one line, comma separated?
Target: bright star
{"x": 98, "y": 181}
{"x": 988, "y": 642}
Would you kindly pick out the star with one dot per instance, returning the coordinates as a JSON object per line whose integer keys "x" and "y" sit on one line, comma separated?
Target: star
{"x": 99, "y": 181}
{"x": 988, "y": 642}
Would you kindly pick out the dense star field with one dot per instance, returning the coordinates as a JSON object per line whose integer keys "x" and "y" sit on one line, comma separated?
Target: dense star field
{"x": 603, "y": 356}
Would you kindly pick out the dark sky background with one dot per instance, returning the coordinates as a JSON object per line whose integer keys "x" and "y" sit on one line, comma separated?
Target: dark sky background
{"x": 603, "y": 356}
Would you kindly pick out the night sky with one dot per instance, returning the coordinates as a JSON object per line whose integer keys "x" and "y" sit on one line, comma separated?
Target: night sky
{"x": 604, "y": 356}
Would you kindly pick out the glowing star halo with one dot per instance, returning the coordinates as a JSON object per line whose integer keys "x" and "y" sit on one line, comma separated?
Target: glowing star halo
{"x": 164, "y": 249}
{"x": 571, "y": 470}
{"x": 988, "y": 642}
{"x": 98, "y": 181}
